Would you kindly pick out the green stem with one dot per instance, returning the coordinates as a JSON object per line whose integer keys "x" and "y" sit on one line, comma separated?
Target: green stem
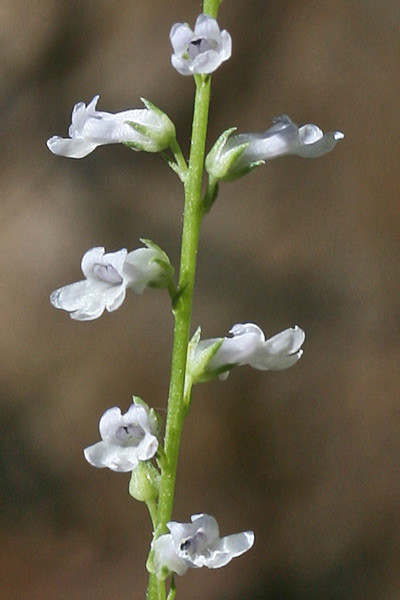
{"x": 161, "y": 590}
{"x": 183, "y": 310}
{"x": 152, "y": 508}
{"x": 210, "y": 7}
{"x": 180, "y": 160}
{"x": 152, "y": 591}
{"x": 172, "y": 590}
{"x": 193, "y": 214}
{"x": 192, "y": 219}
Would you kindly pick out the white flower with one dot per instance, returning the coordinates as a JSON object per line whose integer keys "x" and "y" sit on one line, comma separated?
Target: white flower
{"x": 197, "y": 544}
{"x": 235, "y": 155}
{"x": 146, "y": 129}
{"x": 126, "y": 439}
{"x": 107, "y": 277}
{"x": 202, "y": 50}
{"x": 248, "y": 346}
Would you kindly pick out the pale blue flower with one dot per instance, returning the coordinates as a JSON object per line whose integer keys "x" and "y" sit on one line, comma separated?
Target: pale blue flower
{"x": 235, "y": 155}
{"x": 107, "y": 276}
{"x": 200, "y": 51}
{"x": 126, "y": 439}
{"x": 197, "y": 544}
{"x": 247, "y": 346}
{"x": 147, "y": 129}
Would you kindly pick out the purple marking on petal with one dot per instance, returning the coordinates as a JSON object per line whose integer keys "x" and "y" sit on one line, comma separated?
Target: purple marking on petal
{"x": 197, "y": 47}
{"x": 107, "y": 273}
{"x": 128, "y": 433}
{"x": 195, "y": 544}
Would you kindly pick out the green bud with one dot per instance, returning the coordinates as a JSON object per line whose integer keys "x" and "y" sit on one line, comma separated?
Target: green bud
{"x": 144, "y": 483}
{"x": 220, "y": 160}
{"x": 198, "y": 358}
{"x": 166, "y": 271}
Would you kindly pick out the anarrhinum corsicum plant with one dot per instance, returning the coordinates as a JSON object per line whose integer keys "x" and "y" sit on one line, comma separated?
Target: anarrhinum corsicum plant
{"x": 133, "y": 441}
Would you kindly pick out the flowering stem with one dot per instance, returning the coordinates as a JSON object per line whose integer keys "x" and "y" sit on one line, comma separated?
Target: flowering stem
{"x": 182, "y": 307}
{"x": 192, "y": 219}
{"x": 193, "y": 214}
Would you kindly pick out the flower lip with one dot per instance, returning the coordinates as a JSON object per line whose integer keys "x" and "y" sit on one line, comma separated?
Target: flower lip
{"x": 200, "y": 51}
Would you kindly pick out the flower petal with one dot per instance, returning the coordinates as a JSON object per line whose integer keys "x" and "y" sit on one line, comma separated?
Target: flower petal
{"x": 280, "y": 351}
{"x": 315, "y": 143}
{"x": 147, "y": 447}
{"x": 207, "y": 27}
{"x": 141, "y": 269}
{"x": 207, "y": 62}
{"x": 109, "y": 422}
{"x": 165, "y": 555}
{"x": 84, "y": 299}
{"x": 226, "y": 45}
{"x": 180, "y": 36}
{"x": 208, "y": 524}
{"x": 80, "y": 114}
{"x": 71, "y": 148}
{"x": 280, "y": 139}
{"x": 276, "y": 363}
{"x": 286, "y": 342}
{"x": 228, "y": 547}
{"x": 237, "y": 350}
{"x": 90, "y": 259}
{"x": 117, "y": 458}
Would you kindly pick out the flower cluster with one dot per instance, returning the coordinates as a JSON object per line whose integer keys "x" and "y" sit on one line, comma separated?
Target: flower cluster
{"x": 108, "y": 275}
{"x": 197, "y": 544}
{"x": 130, "y": 442}
{"x": 126, "y": 439}
{"x": 235, "y": 155}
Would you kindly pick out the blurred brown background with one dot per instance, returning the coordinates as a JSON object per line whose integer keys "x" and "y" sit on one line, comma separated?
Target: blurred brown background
{"x": 307, "y": 458}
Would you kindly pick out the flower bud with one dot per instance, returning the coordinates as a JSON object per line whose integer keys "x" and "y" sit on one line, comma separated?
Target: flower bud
{"x": 145, "y": 482}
